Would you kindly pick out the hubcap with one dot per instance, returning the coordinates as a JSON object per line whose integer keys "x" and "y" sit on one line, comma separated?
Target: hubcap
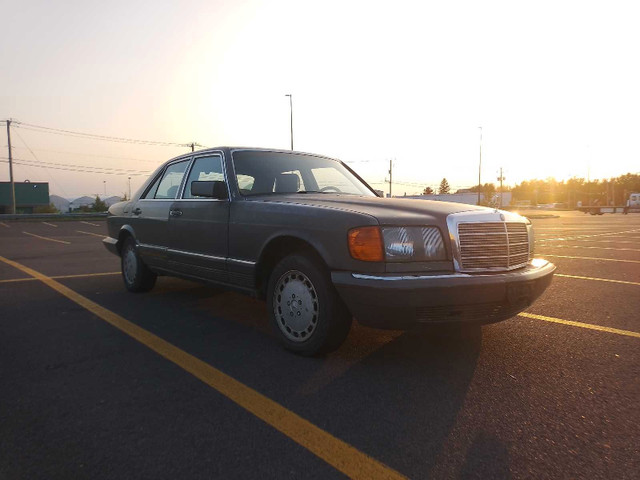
{"x": 295, "y": 305}
{"x": 129, "y": 265}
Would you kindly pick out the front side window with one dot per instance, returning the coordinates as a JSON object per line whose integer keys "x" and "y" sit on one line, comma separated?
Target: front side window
{"x": 171, "y": 180}
{"x": 282, "y": 172}
{"x": 205, "y": 169}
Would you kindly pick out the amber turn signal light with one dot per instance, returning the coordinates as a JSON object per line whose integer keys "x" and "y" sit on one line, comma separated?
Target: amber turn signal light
{"x": 365, "y": 243}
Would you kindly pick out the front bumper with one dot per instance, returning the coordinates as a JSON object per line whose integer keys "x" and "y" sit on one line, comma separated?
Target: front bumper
{"x": 406, "y": 301}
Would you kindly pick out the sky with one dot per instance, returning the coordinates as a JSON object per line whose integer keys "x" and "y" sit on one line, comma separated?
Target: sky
{"x": 555, "y": 86}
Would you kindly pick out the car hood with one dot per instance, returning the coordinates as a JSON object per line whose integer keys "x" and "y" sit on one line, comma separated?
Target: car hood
{"x": 402, "y": 211}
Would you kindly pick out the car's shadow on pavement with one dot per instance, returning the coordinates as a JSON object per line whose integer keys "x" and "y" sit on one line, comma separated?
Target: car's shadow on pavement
{"x": 400, "y": 403}
{"x": 393, "y": 395}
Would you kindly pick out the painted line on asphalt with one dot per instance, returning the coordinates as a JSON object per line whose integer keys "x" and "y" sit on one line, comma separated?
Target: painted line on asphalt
{"x": 591, "y": 258}
{"x": 609, "y": 280}
{"x": 613, "y": 240}
{"x": 89, "y": 233}
{"x": 50, "y": 224}
{"x": 575, "y": 237}
{"x": 47, "y": 238}
{"x": 58, "y": 277}
{"x": 617, "y": 331}
{"x": 89, "y": 223}
{"x": 4, "y": 225}
{"x": 592, "y": 247}
{"x": 337, "y": 453}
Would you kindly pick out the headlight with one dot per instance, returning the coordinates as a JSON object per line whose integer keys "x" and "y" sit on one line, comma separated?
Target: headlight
{"x": 413, "y": 244}
{"x": 531, "y": 239}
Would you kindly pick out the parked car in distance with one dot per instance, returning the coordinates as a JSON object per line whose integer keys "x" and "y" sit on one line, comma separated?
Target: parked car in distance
{"x": 308, "y": 235}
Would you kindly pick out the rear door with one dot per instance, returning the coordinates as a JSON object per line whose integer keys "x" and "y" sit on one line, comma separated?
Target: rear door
{"x": 199, "y": 227}
{"x": 150, "y": 215}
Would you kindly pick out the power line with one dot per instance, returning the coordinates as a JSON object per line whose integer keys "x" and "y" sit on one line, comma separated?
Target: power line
{"x": 92, "y": 136}
{"x": 70, "y": 169}
{"x": 73, "y": 165}
{"x": 83, "y": 154}
{"x": 34, "y": 156}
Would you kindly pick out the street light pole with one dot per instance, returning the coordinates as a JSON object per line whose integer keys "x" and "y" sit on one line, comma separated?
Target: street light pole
{"x": 291, "y": 115}
{"x": 129, "y": 189}
{"x": 480, "y": 167}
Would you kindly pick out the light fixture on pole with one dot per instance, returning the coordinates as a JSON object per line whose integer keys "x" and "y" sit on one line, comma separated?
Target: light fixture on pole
{"x": 291, "y": 115}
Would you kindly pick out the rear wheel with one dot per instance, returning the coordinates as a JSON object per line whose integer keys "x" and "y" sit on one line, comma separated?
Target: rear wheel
{"x": 306, "y": 312}
{"x": 136, "y": 275}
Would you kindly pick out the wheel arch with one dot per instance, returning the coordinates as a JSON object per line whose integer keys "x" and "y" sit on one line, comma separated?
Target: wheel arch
{"x": 125, "y": 231}
{"x": 278, "y": 248}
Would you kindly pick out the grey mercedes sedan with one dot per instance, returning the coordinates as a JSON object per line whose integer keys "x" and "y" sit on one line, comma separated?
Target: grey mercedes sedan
{"x": 308, "y": 235}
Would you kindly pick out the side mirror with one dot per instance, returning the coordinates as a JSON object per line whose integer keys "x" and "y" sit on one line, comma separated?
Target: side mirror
{"x": 215, "y": 189}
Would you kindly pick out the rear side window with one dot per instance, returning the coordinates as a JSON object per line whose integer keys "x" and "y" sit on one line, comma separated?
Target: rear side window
{"x": 205, "y": 169}
{"x": 171, "y": 180}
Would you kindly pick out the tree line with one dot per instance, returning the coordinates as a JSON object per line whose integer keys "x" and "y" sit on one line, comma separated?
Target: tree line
{"x": 613, "y": 191}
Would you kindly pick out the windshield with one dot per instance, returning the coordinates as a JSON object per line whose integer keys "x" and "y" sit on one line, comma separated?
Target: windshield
{"x": 259, "y": 173}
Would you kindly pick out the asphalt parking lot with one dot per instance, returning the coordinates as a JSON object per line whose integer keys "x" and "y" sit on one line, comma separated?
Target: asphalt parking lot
{"x": 187, "y": 381}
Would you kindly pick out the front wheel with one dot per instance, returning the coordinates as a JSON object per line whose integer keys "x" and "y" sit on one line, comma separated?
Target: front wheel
{"x": 136, "y": 275}
{"x": 306, "y": 312}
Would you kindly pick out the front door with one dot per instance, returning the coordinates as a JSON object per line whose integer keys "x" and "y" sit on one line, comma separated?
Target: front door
{"x": 198, "y": 226}
{"x": 150, "y": 214}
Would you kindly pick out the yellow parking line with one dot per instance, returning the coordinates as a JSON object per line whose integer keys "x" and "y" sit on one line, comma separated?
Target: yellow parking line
{"x": 596, "y": 279}
{"x": 337, "y": 453}
{"x": 57, "y": 277}
{"x": 47, "y": 238}
{"x": 89, "y": 233}
{"x": 4, "y": 225}
{"x": 50, "y": 224}
{"x": 594, "y": 248}
{"x": 599, "y": 328}
{"x": 591, "y": 258}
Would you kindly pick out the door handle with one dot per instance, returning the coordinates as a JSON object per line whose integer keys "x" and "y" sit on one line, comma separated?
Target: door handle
{"x": 137, "y": 211}
{"x": 175, "y": 213}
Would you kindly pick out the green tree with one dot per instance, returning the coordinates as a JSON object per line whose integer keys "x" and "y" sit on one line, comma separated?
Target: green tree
{"x": 98, "y": 205}
{"x": 444, "y": 187}
{"x": 428, "y": 191}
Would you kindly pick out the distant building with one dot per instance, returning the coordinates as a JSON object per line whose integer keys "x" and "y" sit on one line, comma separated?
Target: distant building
{"x": 29, "y": 195}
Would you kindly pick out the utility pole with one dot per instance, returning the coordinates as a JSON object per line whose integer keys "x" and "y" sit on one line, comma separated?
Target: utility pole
{"x": 11, "y": 185}
{"x": 480, "y": 167}
{"x": 390, "y": 175}
{"x": 501, "y": 178}
{"x": 291, "y": 115}
{"x": 193, "y": 146}
{"x": 129, "y": 189}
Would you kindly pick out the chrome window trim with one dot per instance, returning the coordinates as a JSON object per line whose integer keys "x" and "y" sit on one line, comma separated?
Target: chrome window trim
{"x": 211, "y": 153}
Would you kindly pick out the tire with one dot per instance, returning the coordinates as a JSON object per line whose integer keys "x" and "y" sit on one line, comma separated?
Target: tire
{"x": 306, "y": 313}
{"x": 136, "y": 275}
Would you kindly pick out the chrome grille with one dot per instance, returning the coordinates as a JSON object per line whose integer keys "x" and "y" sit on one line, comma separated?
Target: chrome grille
{"x": 493, "y": 245}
